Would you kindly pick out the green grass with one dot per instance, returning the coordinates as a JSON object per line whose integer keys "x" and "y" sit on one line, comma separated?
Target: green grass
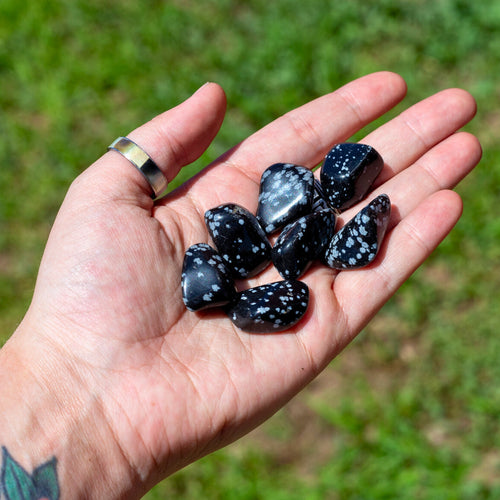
{"x": 411, "y": 409}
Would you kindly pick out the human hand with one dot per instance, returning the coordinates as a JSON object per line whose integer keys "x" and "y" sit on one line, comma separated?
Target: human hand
{"x": 149, "y": 386}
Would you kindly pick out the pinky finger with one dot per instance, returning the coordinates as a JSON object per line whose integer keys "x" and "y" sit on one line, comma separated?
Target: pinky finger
{"x": 363, "y": 292}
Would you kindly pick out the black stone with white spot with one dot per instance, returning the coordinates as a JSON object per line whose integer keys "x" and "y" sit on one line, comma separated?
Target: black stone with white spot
{"x": 270, "y": 308}
{"x": 302, "y": 242}
{"x": 205, "y": 279}
{"x": 358, "y": 242}
{"x": 286, "y": 193}
{"x": 239, "y": 238}
{"x": 348, "y": 172}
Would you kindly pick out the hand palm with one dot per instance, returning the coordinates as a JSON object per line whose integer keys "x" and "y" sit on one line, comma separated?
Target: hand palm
{"x": 178, "y": 384}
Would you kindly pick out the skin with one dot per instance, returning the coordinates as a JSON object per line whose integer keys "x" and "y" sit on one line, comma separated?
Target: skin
{"x": 108, "y": 371}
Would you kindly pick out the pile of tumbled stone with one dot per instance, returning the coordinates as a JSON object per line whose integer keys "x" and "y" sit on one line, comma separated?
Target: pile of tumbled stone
{"x": 305, "y": 210}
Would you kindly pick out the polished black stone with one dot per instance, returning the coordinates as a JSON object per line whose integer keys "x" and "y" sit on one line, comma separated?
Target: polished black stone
{"x": 302, "y": 242}
{"x": 270, "y": 308}
{"x": 348, "y": 172}
{"x": 239, "y": 238}
{"x": 358, "y": 242}
{"x": 205, "y": 279}
{"x": 286, "y": 193}
{"x": 319, "y": 200}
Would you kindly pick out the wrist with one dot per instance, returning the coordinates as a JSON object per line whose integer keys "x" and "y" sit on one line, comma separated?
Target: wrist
{"x": 52, "y": 411}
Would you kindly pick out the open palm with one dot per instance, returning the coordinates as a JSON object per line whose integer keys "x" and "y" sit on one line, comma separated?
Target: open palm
{"x": 173, "y": 385}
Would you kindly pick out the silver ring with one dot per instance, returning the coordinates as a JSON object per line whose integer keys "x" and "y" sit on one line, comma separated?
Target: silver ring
{"x": 140, "y": 159}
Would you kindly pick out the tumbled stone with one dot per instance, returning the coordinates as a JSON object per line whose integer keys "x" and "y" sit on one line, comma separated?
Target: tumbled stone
{"x": 358, "y": 242}
{"x": 348, "y": 172}
{"x": 239, "y": 238}
{"x": 319, "y": 199}
{"x": 286, "y": 193}
{"x": 270, "y": 308}
{"x": 205, "y": 279}
{"x": 302, "y": 242}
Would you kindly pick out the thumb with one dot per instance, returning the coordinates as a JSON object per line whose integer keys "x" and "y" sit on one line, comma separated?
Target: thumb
{"x": 172, "y": 140}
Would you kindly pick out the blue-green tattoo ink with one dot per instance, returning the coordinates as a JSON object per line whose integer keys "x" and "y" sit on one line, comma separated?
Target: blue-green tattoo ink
{"x": 18, "y": 484}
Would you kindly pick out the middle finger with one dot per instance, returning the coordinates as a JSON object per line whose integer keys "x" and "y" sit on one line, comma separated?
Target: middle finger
{"x": 405, "y": 138}
{"x": 442, "y": 167}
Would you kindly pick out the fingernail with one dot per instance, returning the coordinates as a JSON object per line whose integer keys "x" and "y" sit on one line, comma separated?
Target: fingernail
{"x": 202, "y": 87}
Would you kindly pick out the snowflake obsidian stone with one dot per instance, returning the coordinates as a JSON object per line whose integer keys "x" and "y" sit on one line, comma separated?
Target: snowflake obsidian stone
{"x": 348, "y": 172}
{"x": 358, "y": 242}
{"x": 239, "y": 238}
{"x": 270, "y": 308}
{"x": 205, "y": 279}
{"x": 302, "y": 242}
{"x": 286, "y": 193}
{"x": 319, "y": 200}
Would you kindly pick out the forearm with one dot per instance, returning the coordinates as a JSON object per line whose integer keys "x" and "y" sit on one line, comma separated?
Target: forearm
{"x": 53, "y": 429}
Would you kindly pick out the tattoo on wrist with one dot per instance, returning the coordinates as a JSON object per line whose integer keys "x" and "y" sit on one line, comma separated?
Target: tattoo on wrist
{"x": 18, "y": 484}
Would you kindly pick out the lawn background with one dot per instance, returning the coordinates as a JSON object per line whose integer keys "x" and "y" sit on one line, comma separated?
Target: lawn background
{"x": 411, "y": 409}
